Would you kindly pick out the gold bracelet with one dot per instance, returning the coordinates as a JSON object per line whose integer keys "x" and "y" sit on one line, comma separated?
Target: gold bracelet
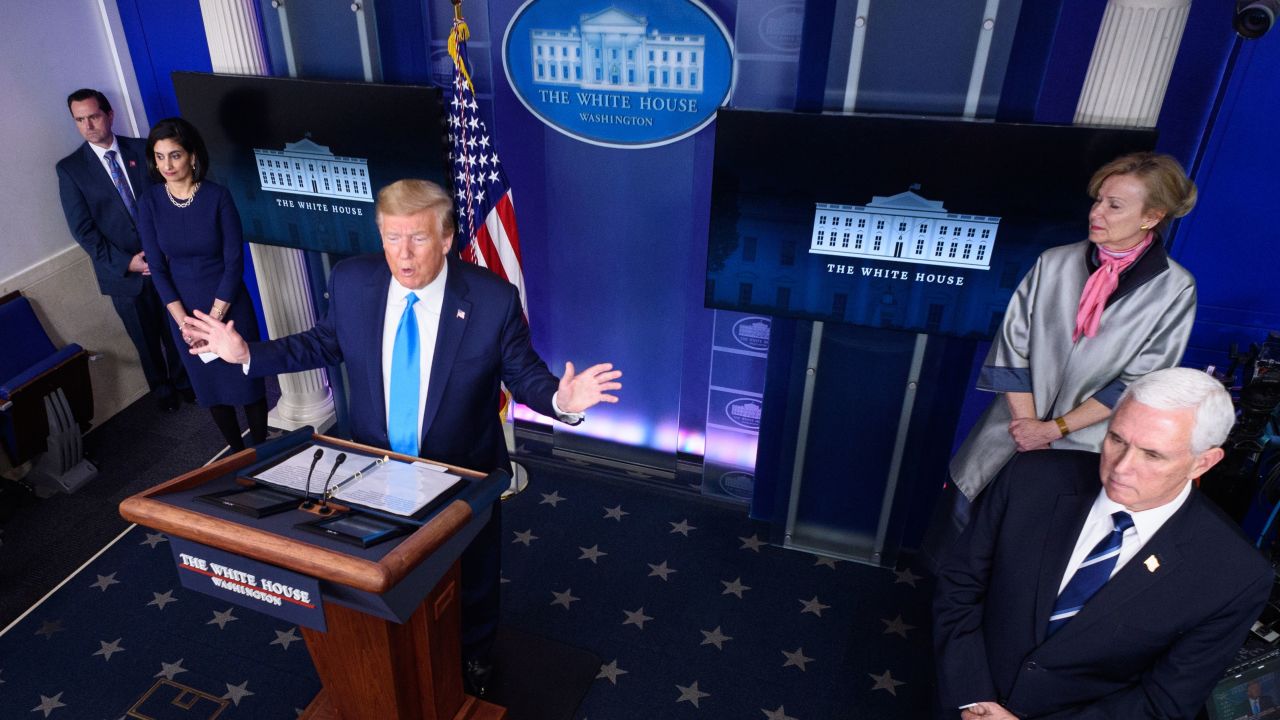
{"x": 1062, "y": 426}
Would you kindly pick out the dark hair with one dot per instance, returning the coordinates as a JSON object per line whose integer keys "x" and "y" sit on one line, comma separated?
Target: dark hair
{"x": 186, "y": 135}
{"x": 86, "y": 94}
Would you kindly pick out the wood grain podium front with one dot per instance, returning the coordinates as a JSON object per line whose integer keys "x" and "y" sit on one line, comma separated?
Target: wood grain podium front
{"x": 391, "y": 650}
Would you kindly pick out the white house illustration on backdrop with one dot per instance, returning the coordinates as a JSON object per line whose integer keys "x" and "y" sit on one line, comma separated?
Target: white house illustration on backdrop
{"x": 615, "y": 50}
{"x": 904, "y": 228}
{"x": 307, "y": 168}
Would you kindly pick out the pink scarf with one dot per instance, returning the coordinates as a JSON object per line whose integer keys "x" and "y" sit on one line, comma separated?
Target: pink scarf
{"x": 1101, "y": 284}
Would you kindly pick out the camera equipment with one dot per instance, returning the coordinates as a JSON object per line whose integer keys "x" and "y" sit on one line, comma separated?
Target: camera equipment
{"x": 1254, "y": 18}
{"x": 1247, "y": 468}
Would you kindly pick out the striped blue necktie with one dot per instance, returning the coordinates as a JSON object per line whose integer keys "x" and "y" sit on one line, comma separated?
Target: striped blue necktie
{"x": 1092, "y": 574}
{"x": 406, "y": 377}
{"x": 122, "y": 186}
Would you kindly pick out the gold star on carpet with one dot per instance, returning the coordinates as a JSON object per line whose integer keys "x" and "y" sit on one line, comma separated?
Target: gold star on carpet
{"x": 886, "y": 682}
{"x": 661, "y": 570}
{"x": 797, "y": 658}
{"x": 593, "y": 553}
{"x": 906, "y": 576}
{"x": 814, "y": 606}
{"x": 714, "y": 637}
{"x": 691, "y": 694}
{"x": 896, "y": 626}
{"x": 636, "y": 617}
{"x": 564, "y": 598}
{"x": 734, "y": 588}
{"x": 610, "y": 672}
{"x": 683, "y": 527}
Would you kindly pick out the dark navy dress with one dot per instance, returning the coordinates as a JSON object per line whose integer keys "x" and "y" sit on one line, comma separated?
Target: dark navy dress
{"x": 196, "y": 254}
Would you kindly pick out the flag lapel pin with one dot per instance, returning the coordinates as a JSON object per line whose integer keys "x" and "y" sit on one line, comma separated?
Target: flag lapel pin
{"x": 462, "y": 314}
{"x": 1152, "y": 563}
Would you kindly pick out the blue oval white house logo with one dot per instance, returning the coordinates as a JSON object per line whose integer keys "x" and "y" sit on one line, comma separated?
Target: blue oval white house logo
{"x": 738, "y": 484}
{"x": 625, "y": 74}
{"x": 752, "y": 333}
{"x": 744, "y": 412}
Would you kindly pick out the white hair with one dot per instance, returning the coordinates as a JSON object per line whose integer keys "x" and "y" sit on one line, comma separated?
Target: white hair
{"x": 1177, "y": 388}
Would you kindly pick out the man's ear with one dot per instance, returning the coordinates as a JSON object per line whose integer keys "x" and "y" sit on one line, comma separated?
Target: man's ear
{"x": 1206, "y": 460}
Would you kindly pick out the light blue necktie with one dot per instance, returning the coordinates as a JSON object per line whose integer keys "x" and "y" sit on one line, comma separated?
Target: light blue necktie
{"x": 122, "y": 187}
{"x": 406, "y": 377}
{"x": 1092, "y": 574}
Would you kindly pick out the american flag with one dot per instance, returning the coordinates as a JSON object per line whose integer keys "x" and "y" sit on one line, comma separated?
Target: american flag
{"x": 486, "y": 214}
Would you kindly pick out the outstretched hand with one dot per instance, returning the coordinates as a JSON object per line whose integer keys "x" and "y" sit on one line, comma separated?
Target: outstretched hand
{"x": 218, "y": 337}
{"x": 579, "y": 391}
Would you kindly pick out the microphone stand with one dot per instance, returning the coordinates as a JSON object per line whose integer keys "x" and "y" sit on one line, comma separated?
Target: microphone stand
{"x": 324, "y": 494}
{"x": 307, "y": 505}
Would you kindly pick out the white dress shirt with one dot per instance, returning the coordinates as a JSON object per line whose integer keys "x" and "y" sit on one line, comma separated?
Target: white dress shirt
{"x": 101, "y": 152}
{"x": 1099, "y": 524}
{"x": 427, "y": 312}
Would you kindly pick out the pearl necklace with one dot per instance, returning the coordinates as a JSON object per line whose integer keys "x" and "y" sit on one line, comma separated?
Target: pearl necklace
{"x": 181, "y": 204}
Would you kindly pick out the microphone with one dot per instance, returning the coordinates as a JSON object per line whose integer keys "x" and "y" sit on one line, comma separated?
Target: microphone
{"x": 314, "y": 461}
{"x": 324, "y": 495}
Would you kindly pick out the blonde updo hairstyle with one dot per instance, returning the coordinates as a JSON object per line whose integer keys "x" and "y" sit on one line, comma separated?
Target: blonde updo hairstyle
{"x": 1168, "y": 187}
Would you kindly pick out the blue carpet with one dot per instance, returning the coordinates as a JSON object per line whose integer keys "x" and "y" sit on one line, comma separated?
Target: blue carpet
{"x": 690, "y": 613}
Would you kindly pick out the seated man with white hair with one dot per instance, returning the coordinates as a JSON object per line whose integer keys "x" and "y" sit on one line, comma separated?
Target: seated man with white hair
{"x": 1102, "y": 589}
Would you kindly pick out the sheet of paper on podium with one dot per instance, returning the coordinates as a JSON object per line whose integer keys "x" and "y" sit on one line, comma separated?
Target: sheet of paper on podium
{"x": 381, "y": 483}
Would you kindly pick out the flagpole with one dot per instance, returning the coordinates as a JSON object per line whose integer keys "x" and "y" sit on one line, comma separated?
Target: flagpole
{"x": 470, "y": 252}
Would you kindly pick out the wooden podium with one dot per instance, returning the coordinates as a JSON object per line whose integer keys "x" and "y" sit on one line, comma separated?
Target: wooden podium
{"x": 392, "y": 646}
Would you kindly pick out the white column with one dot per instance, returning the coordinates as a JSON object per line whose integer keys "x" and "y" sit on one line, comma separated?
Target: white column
{"x": 235, "y": 46}
{"x": 1131, "y": 62}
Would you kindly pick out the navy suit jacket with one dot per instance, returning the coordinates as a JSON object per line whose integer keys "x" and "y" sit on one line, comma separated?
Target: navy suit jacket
{"x": 482, "y": 339}
{"x": 98, "y": 218}
{"x": 1151, "y": 644}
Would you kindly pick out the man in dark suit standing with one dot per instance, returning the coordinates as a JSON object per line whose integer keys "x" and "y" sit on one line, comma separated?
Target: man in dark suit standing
{"x": 1102, "y": 589}
{"x": 427, "y": 339}
{"x": 98, "y": 185}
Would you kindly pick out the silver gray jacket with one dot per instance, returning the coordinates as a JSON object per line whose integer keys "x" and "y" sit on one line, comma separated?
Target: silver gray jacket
{"x": 1144, "y": 327}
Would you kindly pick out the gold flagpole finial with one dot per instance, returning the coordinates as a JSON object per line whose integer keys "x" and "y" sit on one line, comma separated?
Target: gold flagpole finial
{"x": 457, "y": 9}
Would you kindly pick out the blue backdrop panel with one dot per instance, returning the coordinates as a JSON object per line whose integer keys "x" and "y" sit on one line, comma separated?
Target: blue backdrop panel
{"x": 163, "y": 36}
{"x": 610, "y": 239}
{"x": 1229, "y": 240}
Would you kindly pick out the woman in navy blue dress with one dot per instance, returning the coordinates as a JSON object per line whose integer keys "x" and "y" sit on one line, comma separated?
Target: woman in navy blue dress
{"x": 191, "y": 235}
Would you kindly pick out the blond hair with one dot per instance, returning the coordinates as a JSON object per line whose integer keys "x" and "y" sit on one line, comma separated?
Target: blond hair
{"x": 1169, "y": 190}
{"x": 411, "y": 196}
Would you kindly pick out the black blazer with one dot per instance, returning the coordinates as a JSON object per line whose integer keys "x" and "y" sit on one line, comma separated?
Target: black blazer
{"x": 97, "y": 216}
{"x": 1151, "y": 643}
{"x": 482, "y": 339}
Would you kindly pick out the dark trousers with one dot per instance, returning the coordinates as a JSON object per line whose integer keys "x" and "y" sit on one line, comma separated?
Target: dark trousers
{"x": 144, "y": 319}
{"x": 481, "y": 576}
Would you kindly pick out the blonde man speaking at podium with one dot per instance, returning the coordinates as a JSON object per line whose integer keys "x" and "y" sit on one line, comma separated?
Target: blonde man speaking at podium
{"x": 427, "y": 339}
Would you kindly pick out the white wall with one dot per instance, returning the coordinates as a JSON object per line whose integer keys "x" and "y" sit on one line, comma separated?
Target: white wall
{"x": 51, "y": 48}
